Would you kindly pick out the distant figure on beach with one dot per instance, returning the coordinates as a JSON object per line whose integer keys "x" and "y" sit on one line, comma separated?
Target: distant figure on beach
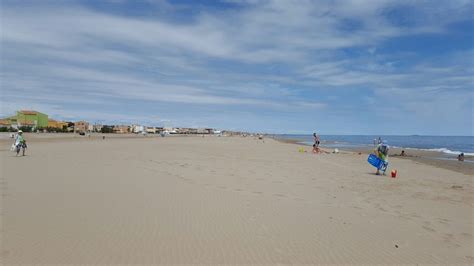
{"x": 461, "y": 157}
{"x": 317, "y": 140}
{"x": 382, "y": 153}
{"x": 20, "y": 143}
{"x": 403, "y": 153}
{"x": 379, "y": 141}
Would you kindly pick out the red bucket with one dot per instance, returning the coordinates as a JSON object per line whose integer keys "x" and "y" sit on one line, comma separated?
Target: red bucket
{"x": 394, "y": 173}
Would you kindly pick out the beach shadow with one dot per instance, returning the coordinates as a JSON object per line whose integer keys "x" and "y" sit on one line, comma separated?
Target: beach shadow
{"x": 374, "y": 174}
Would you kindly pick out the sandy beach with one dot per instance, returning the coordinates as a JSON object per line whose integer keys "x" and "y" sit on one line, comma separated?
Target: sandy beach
{"x": 214, "y": 200}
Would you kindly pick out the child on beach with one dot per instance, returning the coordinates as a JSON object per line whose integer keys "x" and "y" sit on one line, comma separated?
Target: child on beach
{"x": 315, "y": 148}
{"x": 20, "y": 143}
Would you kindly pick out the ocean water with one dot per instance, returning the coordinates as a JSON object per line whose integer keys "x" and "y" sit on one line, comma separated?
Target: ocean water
{"x": 450, "y": 145}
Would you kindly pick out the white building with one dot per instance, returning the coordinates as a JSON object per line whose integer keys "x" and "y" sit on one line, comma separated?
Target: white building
{"x": 138, "y": 129}
{"x": 151, "y": 130}
{"x": 169, "y": 130}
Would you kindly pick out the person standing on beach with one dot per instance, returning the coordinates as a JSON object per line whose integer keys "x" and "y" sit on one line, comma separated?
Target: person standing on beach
{"x": 317, "y": 141}
{"x": 20, "y": 143}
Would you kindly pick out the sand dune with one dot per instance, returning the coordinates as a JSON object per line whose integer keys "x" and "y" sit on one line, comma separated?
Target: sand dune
{"x": 213, "y": 200}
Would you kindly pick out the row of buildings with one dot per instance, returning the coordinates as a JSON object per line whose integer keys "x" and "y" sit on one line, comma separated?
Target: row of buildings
{"x": 36, "y": 121}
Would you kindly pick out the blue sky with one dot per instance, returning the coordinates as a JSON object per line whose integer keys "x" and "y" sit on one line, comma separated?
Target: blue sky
{"x": 335, "y": 67}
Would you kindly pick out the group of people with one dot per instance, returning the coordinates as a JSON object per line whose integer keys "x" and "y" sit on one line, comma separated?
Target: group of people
{"x": 19, "y": 144}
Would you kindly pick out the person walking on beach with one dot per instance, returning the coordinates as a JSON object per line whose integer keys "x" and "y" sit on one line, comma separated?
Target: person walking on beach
{"x": 382, "y": 153}
{"x": 20, "y": 143}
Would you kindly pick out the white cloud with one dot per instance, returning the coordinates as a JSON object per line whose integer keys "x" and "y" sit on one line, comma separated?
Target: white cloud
{"x": 265, "y": 55}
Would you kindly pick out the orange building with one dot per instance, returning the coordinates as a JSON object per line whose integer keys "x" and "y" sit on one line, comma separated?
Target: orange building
{"x": 81, "y": 126}
{"x": 56, "y": 124}
{"x": 5, "y": 123}
{"x": 121, "y": 129}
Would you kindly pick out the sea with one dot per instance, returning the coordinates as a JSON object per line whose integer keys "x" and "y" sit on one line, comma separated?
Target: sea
{"x": 449, "y": 145}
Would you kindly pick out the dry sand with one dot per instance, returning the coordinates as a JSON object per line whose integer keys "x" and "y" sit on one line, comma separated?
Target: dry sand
{"x": 178, "y": 200}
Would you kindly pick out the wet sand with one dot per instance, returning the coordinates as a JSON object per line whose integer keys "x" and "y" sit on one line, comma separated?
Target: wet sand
{"x": 181, "y": 200}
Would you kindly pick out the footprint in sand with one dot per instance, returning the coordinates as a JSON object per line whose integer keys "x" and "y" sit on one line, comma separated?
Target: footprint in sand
{"x": 443, "y": 221}
{"x": 450, "y": 240}
{"x": 428, "y": 228}
{"x": 419, "y": 195}
{"x": 448, "y": 237}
